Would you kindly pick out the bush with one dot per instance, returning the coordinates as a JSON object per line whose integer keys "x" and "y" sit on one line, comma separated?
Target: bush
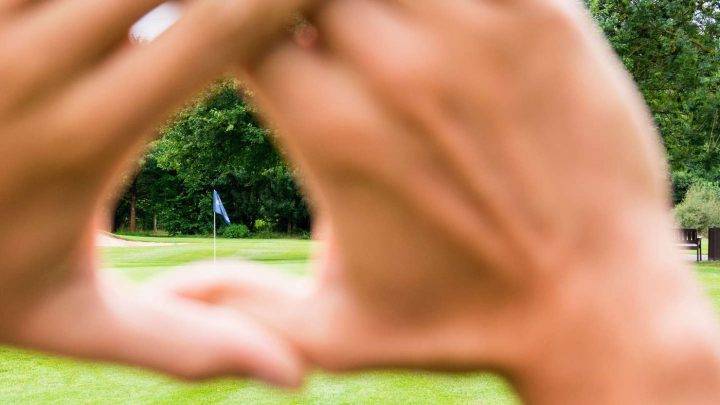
{"x": 236, "y": 231}
{"x": 264, "y": 226}
{"x": 701, "y": 207}
{"x": 681, "y": 182}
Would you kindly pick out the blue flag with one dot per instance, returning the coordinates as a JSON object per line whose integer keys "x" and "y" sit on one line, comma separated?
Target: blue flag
{"x": 219, "y": 208}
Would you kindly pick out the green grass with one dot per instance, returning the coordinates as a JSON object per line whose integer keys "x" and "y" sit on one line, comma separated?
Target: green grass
{"x": 30, "y": 378}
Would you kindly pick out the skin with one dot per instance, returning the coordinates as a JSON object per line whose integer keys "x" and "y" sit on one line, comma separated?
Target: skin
{"x": 491, "y": 194}
{"x": 490, "y": 190}
{"x": 77, "y": 104}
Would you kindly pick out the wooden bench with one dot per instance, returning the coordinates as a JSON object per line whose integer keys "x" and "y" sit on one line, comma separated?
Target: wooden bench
{"x": 690, "y": 240}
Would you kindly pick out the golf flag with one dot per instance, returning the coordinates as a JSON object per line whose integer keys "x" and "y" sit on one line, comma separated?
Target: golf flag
{"x": 219, "y": 208}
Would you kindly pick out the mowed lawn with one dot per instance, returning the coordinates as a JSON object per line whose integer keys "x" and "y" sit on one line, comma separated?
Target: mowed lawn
{"x": 30, "y": 378}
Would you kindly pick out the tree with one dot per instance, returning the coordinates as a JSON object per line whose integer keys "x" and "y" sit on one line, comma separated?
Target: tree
{"x": 701, "y": 207}
{"x": 672, "y": 50}
{"x": 158, "y": 199}
{"x": 217, "y": 143}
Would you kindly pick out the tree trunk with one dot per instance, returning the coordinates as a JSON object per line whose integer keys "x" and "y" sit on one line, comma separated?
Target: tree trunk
{"x": 133, "y": 205}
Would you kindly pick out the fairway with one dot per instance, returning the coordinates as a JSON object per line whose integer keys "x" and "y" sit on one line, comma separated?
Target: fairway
{"x": 28, "y": 378}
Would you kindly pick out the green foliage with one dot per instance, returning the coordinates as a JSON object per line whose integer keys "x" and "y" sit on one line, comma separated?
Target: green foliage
{"x": 160, "y": 197}
{"x": 701, "y": 207}
{"x": 262, "y": 225}
{"x": 672, "y": 50}
{"x": 215, "y": 143}
{"x": 218, "y": 143}
{"x": 235, "y": 231}
{"x": 681, "y": 182}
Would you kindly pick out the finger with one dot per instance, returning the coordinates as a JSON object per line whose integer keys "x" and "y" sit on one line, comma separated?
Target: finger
{"x": 148, "y": 83}
{"x": 291, "y": 79}
{"x": 161, "y": 332}
{"x": 310, "y": 317}
{"x": 402, "y": 43}
{"x": 55, "y": 40}
{"x": 325, "y": 253}
{"x": 318, "y": 106}
{"x": 275, "y": 99}
{"x": 409, "y": 69}
{"x": 412, "y": 56}
{"x": 324, "y": 322}
{"x": 285, "y": 82}
{"x": 274, "y": 298}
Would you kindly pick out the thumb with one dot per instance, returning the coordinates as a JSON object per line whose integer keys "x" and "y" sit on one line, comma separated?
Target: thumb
{"x": 150, "y": 328}
{"x": 288, "y": 305}
{"x": 274, "y": 298}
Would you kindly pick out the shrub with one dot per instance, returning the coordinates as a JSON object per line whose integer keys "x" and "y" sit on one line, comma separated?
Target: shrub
{"x": 701, "y": 207}
{"x": 236, "y": 231}
{"x": 264, "y": 226}
{"x": 681, "y": 182}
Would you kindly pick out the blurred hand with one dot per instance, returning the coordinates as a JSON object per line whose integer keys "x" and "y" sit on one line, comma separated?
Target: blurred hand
{"x": 492, "y": 195}
{"x": 76, "y": 101}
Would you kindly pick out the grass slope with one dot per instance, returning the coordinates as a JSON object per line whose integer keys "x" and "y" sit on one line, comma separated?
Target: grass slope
{"x": 31, "y": 378}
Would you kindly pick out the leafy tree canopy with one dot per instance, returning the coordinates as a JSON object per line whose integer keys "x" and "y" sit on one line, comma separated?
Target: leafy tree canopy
{"x": 217, "y": 143}
{"x": 672, "y": 50}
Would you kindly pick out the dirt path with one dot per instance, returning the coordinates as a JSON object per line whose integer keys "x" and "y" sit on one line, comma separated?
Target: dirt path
{"x": 106, "y": 240}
